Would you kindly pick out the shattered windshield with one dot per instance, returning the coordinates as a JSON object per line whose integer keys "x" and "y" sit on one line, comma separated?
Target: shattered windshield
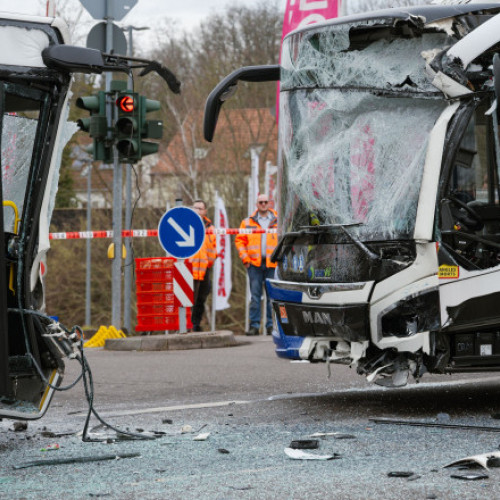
{"x": 354, "y": 128}
{"x": 18, "y": 133}
{"x": 18, "y": 138}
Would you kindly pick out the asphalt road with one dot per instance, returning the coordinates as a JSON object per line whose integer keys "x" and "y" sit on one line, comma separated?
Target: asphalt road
{"x": 253, "y": 405}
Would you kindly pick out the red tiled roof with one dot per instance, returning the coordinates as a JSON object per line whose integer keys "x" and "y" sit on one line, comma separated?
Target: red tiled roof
{"x": 237, "y": 130}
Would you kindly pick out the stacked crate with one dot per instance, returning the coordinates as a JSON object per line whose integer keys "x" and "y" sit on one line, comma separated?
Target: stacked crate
{"x": 156, "y": 308}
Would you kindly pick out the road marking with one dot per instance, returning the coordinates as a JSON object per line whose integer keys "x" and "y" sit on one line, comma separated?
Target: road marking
{"x": 124, "y": 413}
{"x": 279, "y": 397}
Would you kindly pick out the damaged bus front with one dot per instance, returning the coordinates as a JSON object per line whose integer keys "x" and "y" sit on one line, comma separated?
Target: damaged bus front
{"x": 389, "y": 257}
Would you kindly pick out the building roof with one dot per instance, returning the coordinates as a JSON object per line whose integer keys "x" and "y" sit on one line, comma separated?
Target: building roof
{"x": 237, "y": 130}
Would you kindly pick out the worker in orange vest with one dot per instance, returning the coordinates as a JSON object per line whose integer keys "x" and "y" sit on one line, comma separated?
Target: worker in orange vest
{"x": 202, "y": 262}
{"x": 255, "y": 251}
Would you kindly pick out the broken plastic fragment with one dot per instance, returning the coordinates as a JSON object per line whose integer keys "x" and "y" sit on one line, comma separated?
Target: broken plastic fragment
{"x": 470, "y": 476}
{"x": 186, "y": 429}
{"x": 20, "y": 426}
{"x": 485, "y": 460}
{"x": 50, "y": 447}
{"x": 304, "y": 455}
{"x": 75, "y": 460}
{"x": 400, "y": 473}
{"x": 336, "y": 435}
{"x": 304, "y": 444}
{"x": 223, "y": 451}
{"x": 203, "y": 436}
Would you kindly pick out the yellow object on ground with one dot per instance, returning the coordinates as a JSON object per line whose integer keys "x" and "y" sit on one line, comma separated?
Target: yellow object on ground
{"x": 99, "y": 338}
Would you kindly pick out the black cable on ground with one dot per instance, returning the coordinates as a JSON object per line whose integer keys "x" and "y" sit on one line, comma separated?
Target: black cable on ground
{"x": 86, "y": 375}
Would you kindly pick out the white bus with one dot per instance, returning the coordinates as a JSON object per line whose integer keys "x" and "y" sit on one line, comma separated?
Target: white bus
{"x": 389, "y": 202}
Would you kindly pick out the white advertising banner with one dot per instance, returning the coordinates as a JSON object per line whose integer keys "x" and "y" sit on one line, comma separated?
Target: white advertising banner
{"x": 222, "y": 277}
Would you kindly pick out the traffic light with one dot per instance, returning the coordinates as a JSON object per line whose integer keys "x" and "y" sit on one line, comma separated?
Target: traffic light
{"x": 132, "y": 126}
{"x": 127, "y": 127}
{"x": 96, "y": 125}
{"x": 150, "y": 129}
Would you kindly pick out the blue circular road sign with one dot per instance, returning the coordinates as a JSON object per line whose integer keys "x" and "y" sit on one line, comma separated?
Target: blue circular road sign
{"x": 181, "y": 232}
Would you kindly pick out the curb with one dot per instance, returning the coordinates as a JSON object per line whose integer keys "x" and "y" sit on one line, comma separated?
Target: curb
{"x": 173, "y": 342}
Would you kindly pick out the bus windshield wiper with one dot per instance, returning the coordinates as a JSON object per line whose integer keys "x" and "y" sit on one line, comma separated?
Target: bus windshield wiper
{"x": 371, "y": 255}
{"x": 328, "y": 227}
{"x": 343, "y": 227}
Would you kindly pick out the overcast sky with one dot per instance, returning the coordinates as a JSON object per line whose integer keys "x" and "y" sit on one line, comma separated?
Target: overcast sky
{"x": 188, "y": 13}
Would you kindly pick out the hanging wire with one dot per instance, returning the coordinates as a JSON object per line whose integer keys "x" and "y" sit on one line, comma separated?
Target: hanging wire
{"x": 75, "y": 335}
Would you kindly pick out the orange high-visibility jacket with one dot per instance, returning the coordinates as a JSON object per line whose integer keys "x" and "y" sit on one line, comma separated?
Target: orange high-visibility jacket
{"x": 205, "y": 257}
{"x": 249, "y": 245}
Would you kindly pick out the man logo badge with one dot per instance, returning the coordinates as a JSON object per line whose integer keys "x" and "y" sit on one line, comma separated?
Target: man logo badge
{"x": 316, "y": 318}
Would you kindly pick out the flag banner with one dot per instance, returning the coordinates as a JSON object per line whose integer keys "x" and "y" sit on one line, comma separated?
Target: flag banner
{"x": 299, "y": 13}
{"x": 271, "y": 184}
{"x": 222, "y": 274}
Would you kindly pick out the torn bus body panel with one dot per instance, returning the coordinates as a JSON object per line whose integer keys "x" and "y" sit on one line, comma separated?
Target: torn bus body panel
{"x": 389, "y": 155}
{"x": 33, "y": 102}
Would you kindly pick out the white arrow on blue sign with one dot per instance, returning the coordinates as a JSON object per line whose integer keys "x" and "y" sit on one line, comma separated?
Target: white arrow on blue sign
{"x": 181, "y": 232}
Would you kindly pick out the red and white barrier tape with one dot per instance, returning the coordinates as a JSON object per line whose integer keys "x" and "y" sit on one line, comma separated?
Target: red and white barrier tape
{"x": 144, "y": 233}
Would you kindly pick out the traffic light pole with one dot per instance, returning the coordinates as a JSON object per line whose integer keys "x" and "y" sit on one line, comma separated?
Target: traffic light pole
{"x": 117, "y": 194}
{"x": 127, "y": 280}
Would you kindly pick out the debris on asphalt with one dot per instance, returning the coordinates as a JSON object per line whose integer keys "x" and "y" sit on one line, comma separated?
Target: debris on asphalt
{"x": 202, "y": 436}
{"x": 48, "y": 434}
{"x": 401, "y": 473}
{"x": 51, "y": 447}
{"x": 167, "y": 421}
{"x": 470, "y": 476}
{"x": 493, "y": 462}
{"x": 20, "y": 426}
{"x": 443, "y": 417}
{"x": 304, "y": 444}
{"x": 75, "y": 460}
{"x": 304, "y": 455}
{"x": 186, "y": 429}
{"x": 414, "y": 477}
{"x": 335, "y": 435}
{"x": 485, "y": 460}
{"x": 417, "y": 423}
{"x": 127, "y": 436}
{"x": 223, "y": 451}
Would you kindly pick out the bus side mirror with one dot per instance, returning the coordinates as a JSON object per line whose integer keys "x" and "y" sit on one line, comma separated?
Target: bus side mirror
{"x": 226, "y": 89}
{"x": 73, "y": 59}
{"x": 496, "y": 81}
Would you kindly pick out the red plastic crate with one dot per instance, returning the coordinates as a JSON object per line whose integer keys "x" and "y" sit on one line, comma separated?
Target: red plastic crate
{"x": 153, "y": 323}
{"x": 156, "y": 309}
{"x": 155, "y": 263}
{"x": 155, "y": 269}
{"x": 158, "y": 275}
{"x": 155, "y": 297}
{"x": 155, "y": 287}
